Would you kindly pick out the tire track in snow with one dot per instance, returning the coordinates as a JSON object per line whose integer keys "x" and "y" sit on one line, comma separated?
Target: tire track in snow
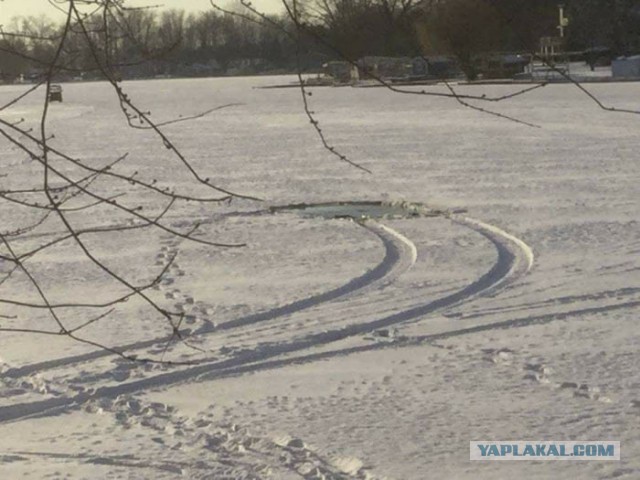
{"x": 400, "y": 254}
{"x": 555, "y": 301}
{"x": 515, "y": 258}
{"x": 50, "y": 407}
{"x": 430, "y": 338}
{"x": 417, "y": 340}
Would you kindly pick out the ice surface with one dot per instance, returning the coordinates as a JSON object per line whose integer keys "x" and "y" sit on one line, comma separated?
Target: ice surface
{"x": 333, "y": 348}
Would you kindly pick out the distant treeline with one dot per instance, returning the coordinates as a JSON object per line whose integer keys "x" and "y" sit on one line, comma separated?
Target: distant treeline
{"x": 151, "y": 42}
{"x": 144, "y": 43}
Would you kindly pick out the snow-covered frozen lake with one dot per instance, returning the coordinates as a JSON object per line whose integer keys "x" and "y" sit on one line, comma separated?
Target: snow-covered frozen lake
{"x": 329, "y": 347}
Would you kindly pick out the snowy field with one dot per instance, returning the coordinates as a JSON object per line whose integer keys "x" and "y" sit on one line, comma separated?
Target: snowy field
{"x": 330, "y": 348}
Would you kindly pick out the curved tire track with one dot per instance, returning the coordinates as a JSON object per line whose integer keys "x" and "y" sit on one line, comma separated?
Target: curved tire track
{"x": 400, "y": 254}
{"x": 515, "y": 259}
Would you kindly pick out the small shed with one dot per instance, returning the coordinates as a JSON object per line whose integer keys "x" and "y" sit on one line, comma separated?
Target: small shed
{"x": 385, "y": 67}
{"x": 442, "y": 67}
{"x": 626, "y": 67}
{"x": 504, "y": 65}
{"x": 341, "y": 72}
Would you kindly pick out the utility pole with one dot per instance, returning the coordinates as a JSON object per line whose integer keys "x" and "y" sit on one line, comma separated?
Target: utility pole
{"x": 563, "y": 21}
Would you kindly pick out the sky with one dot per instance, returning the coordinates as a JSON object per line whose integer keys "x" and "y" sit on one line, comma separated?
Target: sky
{"x": 11, "y": 8}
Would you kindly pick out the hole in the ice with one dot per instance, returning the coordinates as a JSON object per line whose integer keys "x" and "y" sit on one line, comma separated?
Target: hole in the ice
{"x": 359, "y": 210}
